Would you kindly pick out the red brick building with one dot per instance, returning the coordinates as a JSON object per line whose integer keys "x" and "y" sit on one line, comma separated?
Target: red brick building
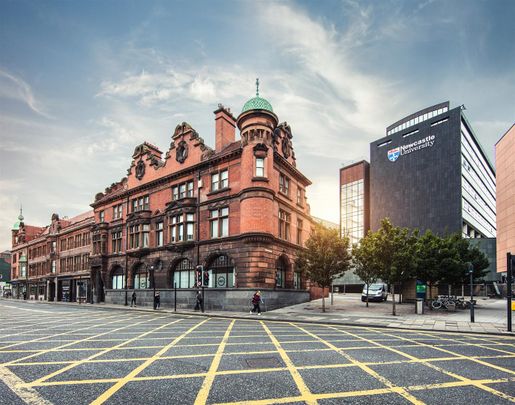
{"x": 49, "y": 262}
{"x": 239, "y": 210}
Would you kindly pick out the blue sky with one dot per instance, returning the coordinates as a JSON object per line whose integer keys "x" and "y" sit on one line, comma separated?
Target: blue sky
{"x": 82, "y": 83}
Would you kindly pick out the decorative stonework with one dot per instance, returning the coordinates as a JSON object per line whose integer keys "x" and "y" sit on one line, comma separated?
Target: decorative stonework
{"x": 181, "y": 153}
{"x": 140, "y": 169}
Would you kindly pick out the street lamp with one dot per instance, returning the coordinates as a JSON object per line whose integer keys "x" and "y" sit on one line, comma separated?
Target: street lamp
{"x": 151, "y": 269}
{"x": 470, "y": 268}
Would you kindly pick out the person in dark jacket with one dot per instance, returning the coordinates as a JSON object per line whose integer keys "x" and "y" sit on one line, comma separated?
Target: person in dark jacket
{"x": 133, "y": 298}
{"x": 157, "y": 300}
{"x": 198, "y": 304}
{"x": 256, "y": 300}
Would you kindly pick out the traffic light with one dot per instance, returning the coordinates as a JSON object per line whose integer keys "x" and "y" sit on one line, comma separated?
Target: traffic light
{"x": 205, "y": 278}
{"x": 198, "y": 276}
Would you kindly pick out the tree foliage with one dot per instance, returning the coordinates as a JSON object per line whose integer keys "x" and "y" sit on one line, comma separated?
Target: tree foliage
{"x": 325, "y": 257}
{"x": 364, "y": 260}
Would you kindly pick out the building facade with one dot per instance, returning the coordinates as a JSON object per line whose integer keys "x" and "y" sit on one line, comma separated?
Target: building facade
{"x": 239, "y": 210}
{"x": 504, "y": 163}
{"x": 49, "y": 263}
{"x": 431, "y": 173}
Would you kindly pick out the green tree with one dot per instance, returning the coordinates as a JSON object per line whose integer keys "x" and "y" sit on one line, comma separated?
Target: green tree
{"x": 395, "y": 255}
{"x": 325, "y": 257}
{"x": 364, "y": 260}
{"x": 437, "y": 259}
{"x": 467, "y": 253}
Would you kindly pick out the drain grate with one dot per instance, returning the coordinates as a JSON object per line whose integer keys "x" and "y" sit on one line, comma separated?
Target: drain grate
{"x": 263, "y": 362}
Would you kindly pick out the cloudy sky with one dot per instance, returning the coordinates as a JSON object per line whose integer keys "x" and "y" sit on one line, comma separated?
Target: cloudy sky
{"x": 82, "y": 83}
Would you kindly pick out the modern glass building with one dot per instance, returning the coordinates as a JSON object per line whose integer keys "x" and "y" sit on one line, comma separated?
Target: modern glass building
{"x": 354, "y": 213}
{"x": 354, "y": 190}
{"x": 430, "y": 172}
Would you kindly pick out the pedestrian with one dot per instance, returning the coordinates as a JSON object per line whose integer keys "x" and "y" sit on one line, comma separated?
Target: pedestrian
{"x": 133, "y": 298}
{"x": 157, "y": 300}
{"x": 198, "y": 304}
{"x": 256, "y": 300}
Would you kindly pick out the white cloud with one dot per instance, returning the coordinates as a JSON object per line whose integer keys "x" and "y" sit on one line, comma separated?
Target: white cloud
{"x": 15, "y": 88}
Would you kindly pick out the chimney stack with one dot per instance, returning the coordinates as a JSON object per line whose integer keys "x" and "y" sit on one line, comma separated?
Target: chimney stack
{"x": 225, "y": 124}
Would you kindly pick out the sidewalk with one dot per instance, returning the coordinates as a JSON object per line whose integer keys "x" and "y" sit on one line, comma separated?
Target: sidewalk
{"x": 349, "y": 310}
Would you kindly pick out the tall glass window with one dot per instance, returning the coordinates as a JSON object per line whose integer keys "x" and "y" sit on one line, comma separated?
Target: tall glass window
{"x": 352, "y": 210}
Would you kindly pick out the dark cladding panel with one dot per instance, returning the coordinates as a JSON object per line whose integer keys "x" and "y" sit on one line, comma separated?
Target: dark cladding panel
{"x": 421, "y": 188}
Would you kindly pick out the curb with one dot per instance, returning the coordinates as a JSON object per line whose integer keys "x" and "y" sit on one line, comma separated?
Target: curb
{"x": 285, "y": 320}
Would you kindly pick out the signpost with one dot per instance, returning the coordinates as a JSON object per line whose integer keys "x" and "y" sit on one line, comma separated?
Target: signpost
{"x": 470, "y": 268}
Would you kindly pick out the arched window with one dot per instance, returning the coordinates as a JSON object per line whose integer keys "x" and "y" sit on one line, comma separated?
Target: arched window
{"x": 280, "y": 272}
{"x": 184, "y": 275}
{"x": 141, "y": 278}
{"x": 118, "y": 278}
{"x": 221, "y": 273}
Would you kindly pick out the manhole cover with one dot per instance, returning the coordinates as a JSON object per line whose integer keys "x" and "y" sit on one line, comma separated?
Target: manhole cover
{"x": 263, "y": 362}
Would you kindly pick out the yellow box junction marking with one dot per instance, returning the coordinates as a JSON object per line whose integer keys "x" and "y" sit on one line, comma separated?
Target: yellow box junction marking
{"x": 107, "y": 394}
{"x": 203, "y": 393}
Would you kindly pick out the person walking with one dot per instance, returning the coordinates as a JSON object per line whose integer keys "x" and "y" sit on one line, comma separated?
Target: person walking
{"x": 157, "y": 300}
{"x": 198, "y": 304}
{"x": 256, "y": 300}
{"x": 133, "y": 298}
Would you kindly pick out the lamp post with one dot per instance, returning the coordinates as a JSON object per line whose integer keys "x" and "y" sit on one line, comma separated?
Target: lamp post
{"x": 470, "y": 268}
{"x": 151, "y": 269}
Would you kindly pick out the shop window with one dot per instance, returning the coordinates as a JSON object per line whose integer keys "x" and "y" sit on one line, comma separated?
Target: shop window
{"x": 183, "y": 275}
{"x": 141, "y": 278}
{"x": 118, "y": 279}
{"x": 280, "y": 273}
{"x": 221, "y": 273}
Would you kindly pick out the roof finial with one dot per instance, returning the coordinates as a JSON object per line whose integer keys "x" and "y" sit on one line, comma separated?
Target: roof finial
{"x": 257, "y": 87}
{"x": 20, "y": 217}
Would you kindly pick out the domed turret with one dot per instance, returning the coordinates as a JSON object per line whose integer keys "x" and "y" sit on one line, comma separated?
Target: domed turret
{"x": 16, "y": 225}
{"x": 257, "y": 103}
{"x": 257, "y": 111}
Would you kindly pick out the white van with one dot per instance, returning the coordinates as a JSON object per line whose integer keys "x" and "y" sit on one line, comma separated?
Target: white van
{"x": 376, "y": 292}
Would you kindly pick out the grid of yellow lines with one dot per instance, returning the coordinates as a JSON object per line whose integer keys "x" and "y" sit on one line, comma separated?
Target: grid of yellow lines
{"x": 276, "y": 339}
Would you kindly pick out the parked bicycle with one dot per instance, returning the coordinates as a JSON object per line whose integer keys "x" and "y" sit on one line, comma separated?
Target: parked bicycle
{"x": 450, "y": 303}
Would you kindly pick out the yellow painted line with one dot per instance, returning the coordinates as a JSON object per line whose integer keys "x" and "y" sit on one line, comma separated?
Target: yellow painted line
{"x": 305, "y": 393}
{"x": 107, "y": 394}
{"x": 52, "y": 336}
{"x": 79, "y": 362}
{"x": 26, "y": 394}
{"x": 401, "y": 391}
{"x": 70, "y": 343}
{"x": 203, "y": 393}
{"x": 454, "y": 375}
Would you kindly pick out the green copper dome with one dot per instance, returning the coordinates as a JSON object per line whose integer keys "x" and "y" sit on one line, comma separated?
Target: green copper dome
{"x": 16, "y": 225}
{"x": 257, "y": 103}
